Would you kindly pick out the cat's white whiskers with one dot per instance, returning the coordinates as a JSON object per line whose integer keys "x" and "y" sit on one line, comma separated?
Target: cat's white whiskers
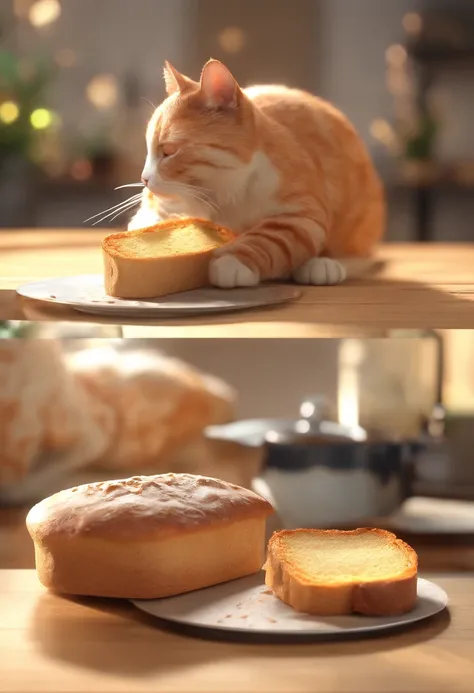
{"x": 135, "y": 199}
{"x": 198, "y": 194}
{"x": 149, "y": 102}
{"x": 195, "y": 188}
{"x": 203, "y": 200}
{"x": 130, "y": 185}
{"x": 208, "y": 203}
{"x": 115, "y": 207}
{"x": 191, "y": 191}
{"x": 125, "y": 208}
{"x": 130, "y": 206}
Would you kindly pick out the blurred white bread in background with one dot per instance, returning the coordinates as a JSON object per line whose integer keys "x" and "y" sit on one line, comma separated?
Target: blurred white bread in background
{"x": 148, "y": 404}
{"x": 155, "y": 408}
{"x": 101, "y": 412}
{"x": 43, "y": 413}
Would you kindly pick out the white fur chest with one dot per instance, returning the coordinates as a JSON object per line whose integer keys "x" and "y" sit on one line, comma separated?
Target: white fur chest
{"x": 250, "y": 195}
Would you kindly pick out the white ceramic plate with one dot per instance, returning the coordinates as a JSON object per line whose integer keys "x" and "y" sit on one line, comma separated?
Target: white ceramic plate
{"x": 247, "y": 605}
{"x": 86, "y": 294}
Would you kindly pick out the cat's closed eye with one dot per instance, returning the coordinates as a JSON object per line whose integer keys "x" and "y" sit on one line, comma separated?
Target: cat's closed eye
{"x": 169, "y": 149}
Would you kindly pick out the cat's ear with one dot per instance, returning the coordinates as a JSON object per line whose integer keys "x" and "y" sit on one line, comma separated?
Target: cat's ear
{"x": 174, "y": 80}
{"x": 218, "y": 87}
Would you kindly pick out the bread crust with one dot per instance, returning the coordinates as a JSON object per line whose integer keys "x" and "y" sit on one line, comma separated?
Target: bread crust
{"x": 371, "y": 598}
{"x": 147, "y": 537}
{"x": 128, "y": 276}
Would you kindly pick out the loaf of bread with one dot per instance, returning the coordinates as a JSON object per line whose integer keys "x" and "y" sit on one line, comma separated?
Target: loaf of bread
{"x": 43, "y": 414}
{"x": 147, "y": 537}
{"x": 331, "y": 572}
{"x": 168, "y": 258}
{"x": 148, "y": 404}
{"x": 102, "y": 412}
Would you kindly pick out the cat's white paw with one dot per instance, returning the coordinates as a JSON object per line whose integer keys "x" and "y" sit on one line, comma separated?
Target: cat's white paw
{"x": 320, "y": 271}
{"x": 227, "y": 272}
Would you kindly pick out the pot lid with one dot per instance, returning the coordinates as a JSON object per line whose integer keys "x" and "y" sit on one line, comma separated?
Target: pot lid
{"x": 313, "y": 428}
{"x": 311, "y": 423}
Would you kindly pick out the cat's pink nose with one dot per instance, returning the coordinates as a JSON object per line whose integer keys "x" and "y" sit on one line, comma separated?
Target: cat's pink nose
{"x": 145, "y": 181}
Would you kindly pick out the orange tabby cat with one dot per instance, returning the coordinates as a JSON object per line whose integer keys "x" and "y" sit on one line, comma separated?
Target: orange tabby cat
{"x": 283, "y": 169}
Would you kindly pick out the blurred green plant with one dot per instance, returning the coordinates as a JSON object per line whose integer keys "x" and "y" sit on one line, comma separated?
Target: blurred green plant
{"x": 421, "y": 145}
{"x": 412, "y": 136}
{"x": 12, "y": 329}
{"x": 23, "y": 84}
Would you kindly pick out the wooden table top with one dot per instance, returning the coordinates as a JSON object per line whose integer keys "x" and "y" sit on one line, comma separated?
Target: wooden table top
{"x": 420, "y": 286}
{"x": 53, "y": 644}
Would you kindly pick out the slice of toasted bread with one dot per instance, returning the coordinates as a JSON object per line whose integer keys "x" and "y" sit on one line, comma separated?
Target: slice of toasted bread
{"x": 331, "y": 572}
{"x": 170, "y": 257}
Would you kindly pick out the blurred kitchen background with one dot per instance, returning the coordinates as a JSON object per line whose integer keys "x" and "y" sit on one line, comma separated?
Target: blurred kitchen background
{"x": 78, "y": 77}
{"x": 77, "y": 409}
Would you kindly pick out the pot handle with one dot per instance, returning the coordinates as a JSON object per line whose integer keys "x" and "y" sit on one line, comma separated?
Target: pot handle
{"x": 431, "y": 454}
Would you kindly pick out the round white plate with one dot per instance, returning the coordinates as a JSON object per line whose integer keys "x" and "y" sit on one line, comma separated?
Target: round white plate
{"x": 86, "y": 294}
{"x": 247, "y": 605}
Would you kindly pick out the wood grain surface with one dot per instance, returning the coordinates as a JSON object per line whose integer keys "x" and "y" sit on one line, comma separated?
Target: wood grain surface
{"x": 57, "y": 645}
{"x": 419, "y": 286}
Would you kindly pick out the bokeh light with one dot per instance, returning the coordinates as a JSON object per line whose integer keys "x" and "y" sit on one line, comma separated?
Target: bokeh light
{"x": 9, "y": 112}
{"x": 396, "y": 55}
{"x": 102, "y": 91}
{"x": 232, "y": 39}
{"x": 382, "y": 131}
{"x": 413, "y": 23}
{"x": 44, "y": 12}
{"x": 41, "y": 118}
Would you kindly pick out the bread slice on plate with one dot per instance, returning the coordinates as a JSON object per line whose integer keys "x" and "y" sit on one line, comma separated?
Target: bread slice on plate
{"x": 167, "y": 258}
{"x": 332, "y": 572}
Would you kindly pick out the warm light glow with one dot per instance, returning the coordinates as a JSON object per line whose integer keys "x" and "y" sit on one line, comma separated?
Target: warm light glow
{"x": 9, "y": 112}
{"x": 65, "y": 58}
{"x": 232, "y": 39}
{"x": 380, "y": 129}
{"x": 44, "y": 12}
{"x": 81, "y": 169}
{"x": 351, "y": 355}
{"x": 102, "y": 91}
{"x": 413, "y": 23}
{"x": 396, "y": 55}
{"x": 459, "y": 381}
{"x": 41, "y": 119}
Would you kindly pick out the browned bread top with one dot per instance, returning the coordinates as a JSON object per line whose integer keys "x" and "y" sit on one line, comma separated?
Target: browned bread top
{"x": 170, "y": 238}
{"x": 331, "y": 556}
{"x": 143, "y": 507}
